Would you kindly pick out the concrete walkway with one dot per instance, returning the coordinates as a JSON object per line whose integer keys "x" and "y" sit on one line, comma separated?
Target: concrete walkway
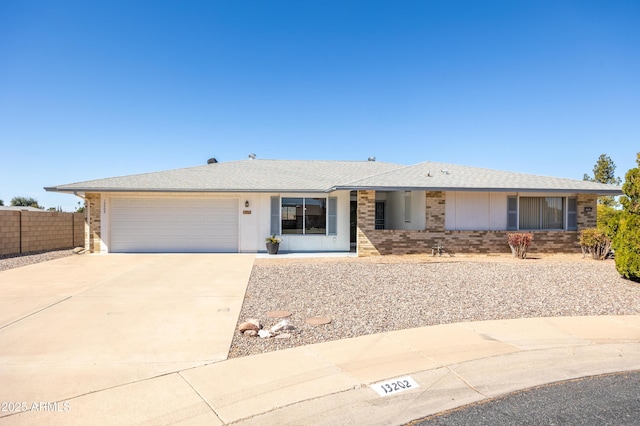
{"x": 142, "y": 339}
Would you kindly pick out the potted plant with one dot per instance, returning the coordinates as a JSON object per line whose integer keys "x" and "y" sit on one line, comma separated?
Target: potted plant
{"x": 273, "y": 244}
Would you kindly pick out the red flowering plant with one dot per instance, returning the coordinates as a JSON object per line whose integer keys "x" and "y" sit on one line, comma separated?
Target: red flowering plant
{"x": 519, "y": 243}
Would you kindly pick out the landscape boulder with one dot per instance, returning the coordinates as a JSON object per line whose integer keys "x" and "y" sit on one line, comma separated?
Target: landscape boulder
{"x": 250, "y": 324}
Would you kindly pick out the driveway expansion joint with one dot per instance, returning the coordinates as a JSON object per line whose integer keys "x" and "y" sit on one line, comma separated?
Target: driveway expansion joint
{"x": 35, "y": 312}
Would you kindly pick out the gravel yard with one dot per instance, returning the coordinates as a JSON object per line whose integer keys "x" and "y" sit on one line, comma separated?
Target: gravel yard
{"x": 377, "y": 294}
{"x": 15, "y": 261}
{"x": 373, "y": 295}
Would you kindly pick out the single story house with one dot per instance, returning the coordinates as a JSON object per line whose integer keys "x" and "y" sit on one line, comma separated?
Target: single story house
{"x": 334, "y": 206}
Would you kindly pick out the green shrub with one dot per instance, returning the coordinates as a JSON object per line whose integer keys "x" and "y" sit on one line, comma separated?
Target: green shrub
{"x": 608, "y": 220}
{"x": 519, "y": 243}
{"x": 595, "y": 242}
{"x": 627, "y": 246}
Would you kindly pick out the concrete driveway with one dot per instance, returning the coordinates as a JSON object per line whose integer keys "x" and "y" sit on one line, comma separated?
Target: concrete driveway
{"x": 80, "y": 324}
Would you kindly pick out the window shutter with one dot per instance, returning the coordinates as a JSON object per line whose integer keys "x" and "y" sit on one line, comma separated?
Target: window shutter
{"x": 407, "y": 206}
{"x": 275, "y": 215}
{"x": 512, "y": 213}
{"x": 572, "y": 214}
{"x": 332, "y": 227}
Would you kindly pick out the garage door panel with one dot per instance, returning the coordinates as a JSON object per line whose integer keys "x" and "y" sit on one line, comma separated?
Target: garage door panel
{"x": 174, "y": 225}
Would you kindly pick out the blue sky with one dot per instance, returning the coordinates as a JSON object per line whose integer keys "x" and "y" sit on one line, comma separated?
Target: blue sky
{"x": 101, "y": 89}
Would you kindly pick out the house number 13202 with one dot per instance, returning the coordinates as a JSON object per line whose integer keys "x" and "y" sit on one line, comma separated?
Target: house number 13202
{"x": 393, "y": 386}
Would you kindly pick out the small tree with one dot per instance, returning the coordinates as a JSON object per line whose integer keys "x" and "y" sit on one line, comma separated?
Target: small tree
{"x": 631, "y": 189}
{"x": 25, "y": 202}
{"x": 604, "y": 172}
{"x": 1, "y": 203}
{"x": 627, "y": 241}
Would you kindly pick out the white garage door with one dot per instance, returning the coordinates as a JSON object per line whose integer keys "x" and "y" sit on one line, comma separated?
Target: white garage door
{"x": 173, "y": 225}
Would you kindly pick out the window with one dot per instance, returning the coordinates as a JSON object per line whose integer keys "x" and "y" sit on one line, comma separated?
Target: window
{"x": 541, "y": 213}
{"x": 304, "y": 216}
{"x": 530, "y": 213}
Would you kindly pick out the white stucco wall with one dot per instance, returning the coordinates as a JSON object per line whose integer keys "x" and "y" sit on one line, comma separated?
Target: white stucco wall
{"x": 306, "y": 243}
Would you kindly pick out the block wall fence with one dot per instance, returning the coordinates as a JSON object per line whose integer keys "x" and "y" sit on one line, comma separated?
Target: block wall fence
{"x": 28, "y": 231}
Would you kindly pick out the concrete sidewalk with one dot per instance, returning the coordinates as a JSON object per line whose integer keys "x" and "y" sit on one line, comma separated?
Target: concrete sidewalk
{"x": 329, "y": 383}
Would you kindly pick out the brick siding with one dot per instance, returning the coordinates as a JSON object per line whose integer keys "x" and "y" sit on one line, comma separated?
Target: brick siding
{"x": 28, "y": 231}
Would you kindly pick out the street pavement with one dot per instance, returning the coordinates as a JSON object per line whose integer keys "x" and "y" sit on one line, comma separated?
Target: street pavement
{"x": 611, "y": 399}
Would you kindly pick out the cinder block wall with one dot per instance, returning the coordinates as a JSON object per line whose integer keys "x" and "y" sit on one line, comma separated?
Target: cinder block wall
{"x": 27, "y": 231}
{"x": 9, "y": 232}
{"x": 373, "y": 242}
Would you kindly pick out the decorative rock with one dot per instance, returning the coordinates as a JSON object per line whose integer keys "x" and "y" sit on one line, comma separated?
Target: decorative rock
{"x": 265, "y": 334}
{"x": 250, "y": 324}
{"x": 283, "y": 336}
{"x": 318, "y": 320}
{"x": 250, "y": 333}
{"x": 281, "y": 326}
{"x": 278, "y": 314}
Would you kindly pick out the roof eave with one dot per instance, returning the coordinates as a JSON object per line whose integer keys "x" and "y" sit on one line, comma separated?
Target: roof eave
{"x": 191, "y": 190}
{"x": 475, "y": 189}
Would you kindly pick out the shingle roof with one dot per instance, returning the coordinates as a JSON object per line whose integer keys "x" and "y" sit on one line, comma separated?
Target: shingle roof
{"x": 240, "y": 176}
{"x": 323, "y": 176}
{"x": 446, "y": 177}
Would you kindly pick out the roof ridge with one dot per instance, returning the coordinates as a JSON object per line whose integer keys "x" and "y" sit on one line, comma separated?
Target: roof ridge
{"x": 353, "y": 182}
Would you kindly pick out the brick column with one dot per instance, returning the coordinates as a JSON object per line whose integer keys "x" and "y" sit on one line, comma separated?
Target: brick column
{"x": 93, "y": 205}
{"x": 435, "y": 211}
{"x": 366, "y": 214}
{"x": 587, "y": 219}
